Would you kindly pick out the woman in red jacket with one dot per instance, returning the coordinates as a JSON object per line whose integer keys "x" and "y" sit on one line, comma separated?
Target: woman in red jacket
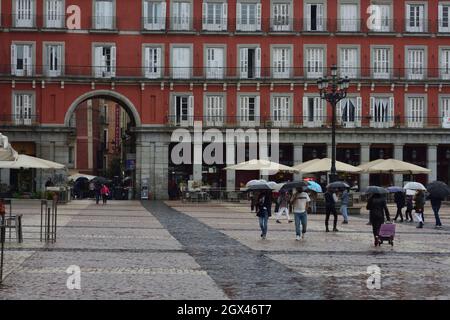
{"x": 105, "y": 193}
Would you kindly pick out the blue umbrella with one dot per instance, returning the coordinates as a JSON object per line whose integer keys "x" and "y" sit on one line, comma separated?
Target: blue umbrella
{"x": 314, "y": 186}
{"x": 395, "y": 189}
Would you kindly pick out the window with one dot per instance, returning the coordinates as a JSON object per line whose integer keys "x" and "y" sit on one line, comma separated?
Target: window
{"x": 181, "y": 62}
{"x": 215, "y": 63}
{"x": 348, "y": 63}
{"x": 54, "y": 14}
{"x": 23, "y": 109}
{"x": 22, "y": 60}
{"x": 349, "y": 112}
{"x": 315, "y": 17}
{"x": 154, "y": 15}
{"x": 313, "y": 112}
{"x": 249, "y": 111}
{"x": 181, "y": 16}
{"x": 71, "y": 155}
{"x": 248, "y": 16}
{"x": 250, "y": 63}
{"x": 444, "y": 24}
{"x": 445, "y": 64}
{"x": 281, "y": 111}
{"x": 215, "y": 16}
{"x": 381, "y": 112}
{"x": 24, "y": 13}
{"x": 53, "y": 62}
{"x": 349, "y": 17}
{"x": 105, "y": 61}
{"x": 382, "y": 21}
{"x": 214, "y": 111}
{"x": 153, "y": 62}
{"x": 415, "y": 17}
{"x": 381, "y": 63}
{"x": 445, "y": 109}
{"x": 281, "y": 17}
{"x": 416, "y": 112}
{"x": 315, "y": 62}
{"x": 281, "y": 58}
{"x": 416, "y": 64}
{"x": 104, "y": 14}
{"x": 184, "y": 110}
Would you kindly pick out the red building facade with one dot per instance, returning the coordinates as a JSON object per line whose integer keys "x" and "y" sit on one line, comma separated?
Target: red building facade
{"x": 235, "y": 63}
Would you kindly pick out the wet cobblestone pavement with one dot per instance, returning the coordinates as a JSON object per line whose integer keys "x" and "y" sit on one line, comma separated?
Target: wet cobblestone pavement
{"x": 174, "y": 250}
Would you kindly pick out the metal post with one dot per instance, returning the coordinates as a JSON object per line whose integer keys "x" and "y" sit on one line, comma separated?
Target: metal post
{"x": 333, "y": 174}
{"x": 2, "y": 240}
{"x": 47, "y": 227}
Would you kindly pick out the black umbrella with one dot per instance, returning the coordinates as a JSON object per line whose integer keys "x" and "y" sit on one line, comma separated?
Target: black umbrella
{"x": 294, "y": 185}
{"x": 101, "y": 180}
{"x": 259, "y": 187}
{"x": 375, "y": 190}
{"x": 438, "y": 189}
{"x": 338, "y": 185}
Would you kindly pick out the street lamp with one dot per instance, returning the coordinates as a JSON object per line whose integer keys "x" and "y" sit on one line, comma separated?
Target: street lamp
{"x": 333, "y": 92}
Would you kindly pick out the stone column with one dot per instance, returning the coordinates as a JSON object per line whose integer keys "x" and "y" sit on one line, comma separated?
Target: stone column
{"x": 264, "y": 153}
{"x": 231, "y": 174}
{"x": 298, "y": 158}
{"x": 145, "y": 158}
{"x": 398, "y": 155}
{"x": 161, "y": 170}
{"x": 432, "y": 162}
{"x": 365, "y": 157}
{"x": 329, "y": 151}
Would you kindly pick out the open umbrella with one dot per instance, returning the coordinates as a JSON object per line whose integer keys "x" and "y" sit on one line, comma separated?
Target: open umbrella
{"x": 374, "y": 190}
{"x": 414, "y": 186}
{"x": 261, "y": 164}
{"x": 28, "y": 162}
{"x": 324, "y": 165}
{"x": 7, "y": 153}
{"x": 101, "y": 180}
{"x": 77, "y": 176}
{"x": 338, "y": 185}
{"x": 393, "y": 166}
{"x": 294, "y": 185}
{"x": 259, "y": 187}
{"x": 314, "y": 186}
{"x": 253, "y": 182}
{"x": 438, "y": 189}
{"x": 395, "y": 189}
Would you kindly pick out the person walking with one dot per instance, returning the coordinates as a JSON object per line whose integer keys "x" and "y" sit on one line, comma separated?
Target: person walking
{"x": 283, "y": 204}
{"x": 105, "y": 193}
{"x": 419, "y": 205}
{"x": 313, "y": 203}
{"x": 330, "y": 208}
{"x": 300, "y": 200}
{"x": 345, "y": 199}
{"x": 436, "y": 203}
{"x": 409, "y": 208}
{"x": 97, "y": 190}
{"x": 377, "y": 207}
{"x": 263, "y": 212}
{"x": 399, "y": 199}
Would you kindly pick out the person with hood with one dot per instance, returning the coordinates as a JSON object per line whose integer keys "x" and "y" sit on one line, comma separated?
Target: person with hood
{"x": 399, "y": 199}
{"x": 264, "y": 207}
{"x": 419, "y": 205}
{"x": 377, "y": 207}
{"x": 330, "y": 208}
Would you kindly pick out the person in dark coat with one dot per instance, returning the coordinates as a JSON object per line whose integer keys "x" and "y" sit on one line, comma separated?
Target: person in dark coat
{"x": 264, "y": 211}
{"x": 377, "y": 207}
{"x": 330, "y": 208}
{"x": 409, "y": 208}
{"x": 419, "y": 205}
{"x": 436, "y": 203}
{"x": 399, "y": 199}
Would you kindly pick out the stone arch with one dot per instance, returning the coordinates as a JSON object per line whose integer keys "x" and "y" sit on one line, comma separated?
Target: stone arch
{"x": 107, "y": 94}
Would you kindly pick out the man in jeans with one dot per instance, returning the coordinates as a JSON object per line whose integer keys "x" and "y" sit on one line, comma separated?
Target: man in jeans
{"x": 344, "y": 205}
{"x": 300, "y": 202}
{"x": 436, "y": 206}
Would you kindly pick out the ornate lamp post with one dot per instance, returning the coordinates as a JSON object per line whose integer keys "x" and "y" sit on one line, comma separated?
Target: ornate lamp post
{"x": 333, "y": 92}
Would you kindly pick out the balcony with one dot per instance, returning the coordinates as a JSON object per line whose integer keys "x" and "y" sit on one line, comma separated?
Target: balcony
{"x": 23, "y": 21}
{"x": 18, "y": 120}
{"x": 103, "y": 24}
{"x": 153, "y": 24}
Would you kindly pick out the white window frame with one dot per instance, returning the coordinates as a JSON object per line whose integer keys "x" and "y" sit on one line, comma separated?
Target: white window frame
{"x": 382, "y": 118}
{"x": 59, "y": 58}
{"x": 29, "y": 57}
{"x": 100, "y": 69}
{"x": 54, "y": 13}
{"x": 444, "y": 108}
{"x": 181, "y": 19}
{"x": 380, "y": 71}
{"x": 182, "y": 72}
{"x": 415, "y": 110}
{"x": 281, "y": 15}
{"x": 183, "y": 120}
{"x": 444, "y": 23}
{"x": 248, "y": 27}
{"x": 386, "y": 17}
{"x": 243, "y": 51}
{"x": 244, "y": 116}
{"x": 153, "y": 60}
{"x": 444, "y": 63}
{"x": 214, "y": 109}
{"x": 417, "y": 67}
{"x": 154, "y": 23}
{"x": 24, "y": 13}
{"x": 281, "y": 57}
{"x": 102, "y": 20}
{"x": 344, "y": 115}
{"x": 347, "y": 23}
{"x": 215, "y": 69}
{"x": 281, "y": 110}
{"x": 318, "y": 118}
{"x": 314, "y": 66}
{"x": 23, "y": 114}
{"x": 349, "y": 66}
{"x": 321, "y": 16}
{"x": 418, "y": 21}
{"x": 223, "y": 18}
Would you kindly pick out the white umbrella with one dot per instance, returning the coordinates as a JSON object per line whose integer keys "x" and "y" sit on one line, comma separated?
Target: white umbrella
{"x": 77, "y": 176}
{"x": 393, "y": 166}
{"x": 28, "y": 162}
{"x": 305, "y": 164}
{"x": 255, "y": 182}
{"x": 255, "y": 165}
{"x": 324, "y": 165}
{"x": 414, "y": 186}
{"x": 7, "y": 153}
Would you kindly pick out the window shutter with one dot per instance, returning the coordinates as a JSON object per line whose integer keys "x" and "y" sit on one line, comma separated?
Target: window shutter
{"x": 13, "y": 59}
{"x": 244, "y": 62}
{"x": 238, "y": 16}
{"x": 320, "y": 17}
{"x": 59, "y": 60}
{"x": 191, "y": 110}
{"x": 258, "y": 16}
{"x": 308, "y": 17}
{"x": 257, "y": 110}
{"x": 27, "y": 52}
{"x": 358, "y": 113}
{"x": 224, "y": 16}
{"x": 339, "y": 108}
{"x": 288, "y": 62}
{"x": 305, "y": 110}
{"x": 372, "y": 109}
{"x": 113, "y": 61}
{"x": 159, "y": 62}
{"x": 162, "y": 19}
{"x": 147, "y": 57}
{"x": 205, "y": 15}
{"x": 145, "y": 13}
{"x": 258, "y": 62}
{"x": 98, "y": 61}
{"x": 17, "y": 107}
{"x": 391, "y": 111}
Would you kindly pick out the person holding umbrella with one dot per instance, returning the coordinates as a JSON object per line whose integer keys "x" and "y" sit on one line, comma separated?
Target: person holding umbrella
{"x": 300, "y": 200}
{"x": 330, "y": 208}
{"x": 409, "y": 207}
{"x": 263, "y": 212}
{"x": 399, "y": 199}
{"x": 377, "y": 207}
{"x": 438, "y": 191}
{"x": 283, "y": 205}
{"x": 419, "y": 204}
{"x": 345, "y": 199}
